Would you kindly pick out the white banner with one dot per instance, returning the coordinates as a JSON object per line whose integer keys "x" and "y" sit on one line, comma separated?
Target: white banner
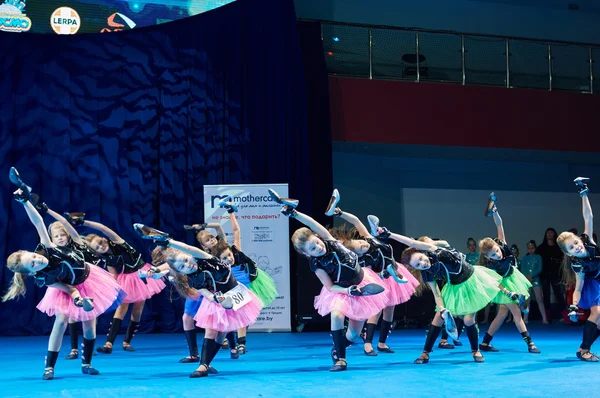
{"x": 264, "y": 238}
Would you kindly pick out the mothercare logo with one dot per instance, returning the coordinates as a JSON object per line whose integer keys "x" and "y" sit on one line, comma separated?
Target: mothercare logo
{"x": 65, "y": 21}
{"x": 12, "y": 17}
{"x": 249, "y": 198}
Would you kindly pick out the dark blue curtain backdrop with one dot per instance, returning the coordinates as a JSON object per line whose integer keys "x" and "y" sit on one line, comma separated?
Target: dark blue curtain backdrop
{"x": 128, "y": 127}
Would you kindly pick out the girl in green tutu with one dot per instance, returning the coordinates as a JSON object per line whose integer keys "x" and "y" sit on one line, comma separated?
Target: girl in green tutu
{"x": 468, "y": 288}
{"x": 244, "y": 269}
{"x": 496, "y": 255}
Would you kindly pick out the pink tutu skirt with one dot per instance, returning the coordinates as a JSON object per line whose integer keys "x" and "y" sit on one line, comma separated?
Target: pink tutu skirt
{"x": 399, "y": 293}
{"x": 213, "y": 316}
{"x": 135, "y": 287}
{"x": 354, "y": 307}
{"x": 99, "y": 285}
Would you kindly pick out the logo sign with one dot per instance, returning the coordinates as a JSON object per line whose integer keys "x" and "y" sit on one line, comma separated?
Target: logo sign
{"x": 65, "y": 21}
{"x": 12, "y": 18}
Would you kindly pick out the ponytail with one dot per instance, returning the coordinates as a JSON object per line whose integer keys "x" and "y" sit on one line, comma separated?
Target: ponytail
{"x": 17, "y": 288}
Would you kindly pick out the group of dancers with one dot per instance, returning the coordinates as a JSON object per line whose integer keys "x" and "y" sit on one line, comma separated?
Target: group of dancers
{"x": 86, "y": 277}
{"x": 225, "y": 290}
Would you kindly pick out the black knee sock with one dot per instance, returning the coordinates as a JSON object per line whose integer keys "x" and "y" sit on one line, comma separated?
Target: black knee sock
{"x": 74, "y": 336}
{"x": 231, "y": 340}
{"x": 88, "y": 351}
{"x": 208, "y": 351}
{"x": 487, "y": 338}
{"x": 444, "y": 334}
{"x": 131, "y": 329}
{"x": 114, "y": 330}
{"x": 526, "y": 337}
{"x": 370, "y": 332}
{"x": 51, "y": 358}
{"x": 216, "y": 351}
{"x": 459, "y": 325}
{"x": 242, "y": 340}
{"x": 384, "y": 331}
{"x": 589, "y": 331}
{"x": 340, "y": 342}
{"x": 190, "y": 337}
{"x": 432, "y": 335}
{"x": 473, "y": 336}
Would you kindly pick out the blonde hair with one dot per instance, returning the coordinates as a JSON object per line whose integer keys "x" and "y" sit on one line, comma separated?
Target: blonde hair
{"x": 89, "y": 238}
{"x": 180, "y": 281}
{"x": 567, "y": 273}
{"x": 220, "y": 248}
{"x": 17, "y": 287}
{"x": 57, "y": 224}
{"x": 405, "y": 259}
{"x": 299, "y": 239}
{"x": 485, "y": 245}
{"x": 200, "y": 237}
{"x": 345, "y": 234}
{"x": 159, "y": 255}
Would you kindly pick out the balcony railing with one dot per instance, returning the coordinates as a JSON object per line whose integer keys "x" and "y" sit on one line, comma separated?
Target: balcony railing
{"x": 385, "y": 52}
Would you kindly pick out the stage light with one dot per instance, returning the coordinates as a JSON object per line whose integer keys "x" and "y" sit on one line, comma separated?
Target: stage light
{"x": 336, "y": 39}
{"x": 330, "y": 53}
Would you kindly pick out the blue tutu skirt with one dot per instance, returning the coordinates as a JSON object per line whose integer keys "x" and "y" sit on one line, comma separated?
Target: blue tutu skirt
{"x": 590, "y": 294}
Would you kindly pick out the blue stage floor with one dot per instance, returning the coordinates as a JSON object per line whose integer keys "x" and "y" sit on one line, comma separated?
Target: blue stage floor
{"x": 296, "y": 365}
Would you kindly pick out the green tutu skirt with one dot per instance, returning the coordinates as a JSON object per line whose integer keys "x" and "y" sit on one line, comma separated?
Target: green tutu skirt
{"x": 473, "y": 294}
{"x": 516, "y": 283}
{"x": 264, "y": 287}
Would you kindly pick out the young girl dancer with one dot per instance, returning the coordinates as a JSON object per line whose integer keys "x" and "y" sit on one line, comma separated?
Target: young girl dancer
{"x": 531, "y": 267}
{"x": 244, "y": 269}
{"x": 496, "y": 255}
{"x": 124, "y": 262}
{"x": 379, "y": 257}
{"x": 76, "y": 289}
{"x": 348, "y": 289}
{"x": 467, "y": 290}
{"x": 218, "y": 313}
{"x": 63, "y": 234}
{"x": 581, "y": 265}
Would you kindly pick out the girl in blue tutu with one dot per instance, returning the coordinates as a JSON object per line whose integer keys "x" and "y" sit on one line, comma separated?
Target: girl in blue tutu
{"x": 581, "y": 265}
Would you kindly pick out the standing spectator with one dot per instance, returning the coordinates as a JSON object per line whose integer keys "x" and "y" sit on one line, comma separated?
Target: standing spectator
{"x": 532, "y": 268}
{"x": 472, "y": 255}
{"x": 552, "y": 258}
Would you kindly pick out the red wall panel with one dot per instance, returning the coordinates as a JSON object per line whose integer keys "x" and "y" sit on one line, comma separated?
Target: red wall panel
{"x": 452, "y": 115}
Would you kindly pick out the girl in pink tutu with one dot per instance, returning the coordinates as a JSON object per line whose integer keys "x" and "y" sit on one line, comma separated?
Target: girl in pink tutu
{"x": 227, "y": 305}
{"x": 76, "y": 289}
{"x": 348, "y": 289}
{"x": 124, "y": 262}
{"x": 379, "y": 257}
{"x": 63, "y": 234}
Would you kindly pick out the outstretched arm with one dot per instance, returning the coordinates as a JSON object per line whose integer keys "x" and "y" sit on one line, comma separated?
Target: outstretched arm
{"x": 328, "y": 283}
{"x": 579, "y": 281}
{"x": 217, "y": 227}
{"x": 413, "y": 243}
{"x": 109, "y": 233}
{"x": 499, "y": 226}
{"x": 352, "y": 219}
{"x": 70, "y": 230}
{"x": 237, "y": 234}
{"x": 437, "y": 295}
{"x": 313, "y": 225}
{"x": 38, "y": 223}
{"x": 191, "y": 250}
{"x": 588, "y": 217}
